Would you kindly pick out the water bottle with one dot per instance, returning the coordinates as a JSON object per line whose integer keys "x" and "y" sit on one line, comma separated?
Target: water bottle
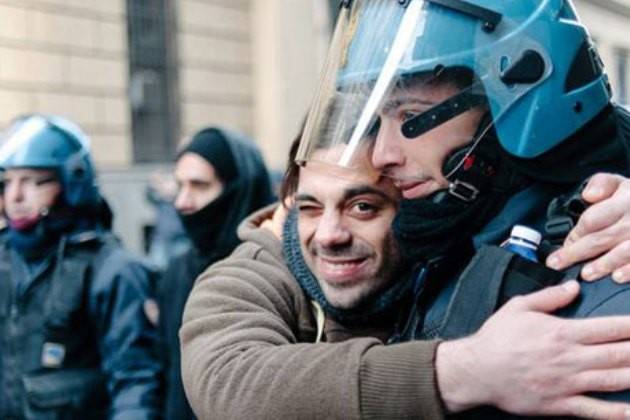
{"x": 523, "y": 241}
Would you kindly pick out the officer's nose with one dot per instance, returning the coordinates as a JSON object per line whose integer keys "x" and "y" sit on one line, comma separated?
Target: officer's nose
{"x": 331, "y": 230}
{"x": 14, "y": 192}
{"x": 387, "y": 152}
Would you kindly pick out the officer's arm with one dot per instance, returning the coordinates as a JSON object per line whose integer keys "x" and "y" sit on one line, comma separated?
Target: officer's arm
{"x": 127, "y": 340}
{"x": 603, "y": 231}
{"x": 527, "y": 362}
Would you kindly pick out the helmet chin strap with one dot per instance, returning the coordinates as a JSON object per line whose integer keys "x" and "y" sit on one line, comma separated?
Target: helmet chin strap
{"x": 470, "y": 170}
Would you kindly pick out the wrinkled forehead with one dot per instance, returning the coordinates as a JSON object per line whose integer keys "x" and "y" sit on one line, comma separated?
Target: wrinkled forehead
{"x": 362, "y": 170}
{"x": 323, "y": 180}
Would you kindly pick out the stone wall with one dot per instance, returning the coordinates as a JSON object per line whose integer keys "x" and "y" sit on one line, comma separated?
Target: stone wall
{"x": 215, "y": 64}
{"x": 68, "y": 57}
{"x": 608, "y": 22}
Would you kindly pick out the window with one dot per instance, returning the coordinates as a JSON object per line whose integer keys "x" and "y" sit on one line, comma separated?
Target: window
{"x": 152, "y": 79}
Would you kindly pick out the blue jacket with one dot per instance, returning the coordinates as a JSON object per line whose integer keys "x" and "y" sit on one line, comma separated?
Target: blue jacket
{"x": 75, "y": 337}
{"x": 601, "y": 298}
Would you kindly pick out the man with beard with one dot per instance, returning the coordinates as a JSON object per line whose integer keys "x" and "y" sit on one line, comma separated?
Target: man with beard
{"x": 75, "y": 341}
{"x": 221, "y": 178}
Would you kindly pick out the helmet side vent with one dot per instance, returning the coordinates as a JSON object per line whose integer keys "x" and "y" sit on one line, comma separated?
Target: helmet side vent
{"x": 586, "y": 67}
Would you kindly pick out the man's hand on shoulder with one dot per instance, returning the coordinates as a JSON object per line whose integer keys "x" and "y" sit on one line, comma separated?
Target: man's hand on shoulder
{"x": 603, "y": 232}
{"x": 276, "y": 223}
{"x": 528, "y": 362}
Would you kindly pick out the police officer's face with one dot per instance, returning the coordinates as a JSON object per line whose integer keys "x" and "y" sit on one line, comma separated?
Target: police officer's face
{"x": 197, "y": 183}
{"x": 345, "y": 235}
{"x": 416, "y": 164}
{"x": 29, "y": 193}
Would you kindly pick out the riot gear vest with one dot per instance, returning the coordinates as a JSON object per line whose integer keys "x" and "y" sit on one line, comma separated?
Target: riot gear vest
{"x": 50, "y": 363}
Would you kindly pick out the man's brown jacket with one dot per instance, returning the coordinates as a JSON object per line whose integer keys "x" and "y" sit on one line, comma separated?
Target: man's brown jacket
{"x": 249, "y": 349}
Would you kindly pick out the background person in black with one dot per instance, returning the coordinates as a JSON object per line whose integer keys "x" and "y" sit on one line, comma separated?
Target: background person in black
{"x": 221, "y": 179}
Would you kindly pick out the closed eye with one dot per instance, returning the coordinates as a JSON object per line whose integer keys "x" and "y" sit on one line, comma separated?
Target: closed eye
{"x": 308, "y": 208}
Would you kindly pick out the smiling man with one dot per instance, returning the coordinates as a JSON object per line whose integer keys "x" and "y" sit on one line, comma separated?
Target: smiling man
{"x": 276, "y": 330}
{"x": 345, "y": 237}
{"x": 305, "y": 338}
{"x": 406, "y": 91}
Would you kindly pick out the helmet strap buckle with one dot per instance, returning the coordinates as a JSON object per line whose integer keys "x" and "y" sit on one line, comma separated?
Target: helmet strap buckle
{"x": 463, "y": 191}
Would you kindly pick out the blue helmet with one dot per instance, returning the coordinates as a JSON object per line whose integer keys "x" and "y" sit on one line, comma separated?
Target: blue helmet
{"x": 530, "y": 62}
{"x": 50, "y": 142}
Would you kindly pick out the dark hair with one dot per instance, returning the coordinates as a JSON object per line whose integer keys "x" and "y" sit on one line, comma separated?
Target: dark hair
{"x": 291, "y": 175}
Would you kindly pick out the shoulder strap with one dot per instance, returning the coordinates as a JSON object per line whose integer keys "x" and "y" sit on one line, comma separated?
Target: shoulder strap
{"x": 476, "y": 294}
{"x": 494, "y": 276}
{"x": 66, "y": 297}
{"x": 73, "y": 264}
{"x": 623, "y": 123}
{"x": 6, "y": 282}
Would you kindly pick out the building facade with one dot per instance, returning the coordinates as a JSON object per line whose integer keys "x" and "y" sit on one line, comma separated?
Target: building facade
{"x": 141, "y": 76}
{"x": 609, "y": 24}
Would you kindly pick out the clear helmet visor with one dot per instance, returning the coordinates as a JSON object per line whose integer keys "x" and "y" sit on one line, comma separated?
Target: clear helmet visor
{"x": 418, "y": 66}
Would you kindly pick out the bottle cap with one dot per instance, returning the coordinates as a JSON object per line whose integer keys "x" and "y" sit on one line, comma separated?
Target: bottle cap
{"x": 526, "y": 233}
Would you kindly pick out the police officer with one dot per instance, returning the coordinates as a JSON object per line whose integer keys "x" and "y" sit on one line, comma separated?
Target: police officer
{"x": 482, "y": 112}
{"x": 74, "y": 339}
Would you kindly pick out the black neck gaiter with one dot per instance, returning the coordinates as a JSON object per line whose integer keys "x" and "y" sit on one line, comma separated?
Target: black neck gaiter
{"x": 205, "y": 226}
{"x": 426, "y": 230}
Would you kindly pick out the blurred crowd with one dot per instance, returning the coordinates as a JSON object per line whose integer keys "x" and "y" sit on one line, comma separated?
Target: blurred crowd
{"x": 92, "y": 330}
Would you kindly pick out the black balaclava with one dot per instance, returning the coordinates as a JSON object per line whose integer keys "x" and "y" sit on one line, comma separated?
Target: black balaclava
{"x": 246, "y": 188}
{"x": 427, "y": 228}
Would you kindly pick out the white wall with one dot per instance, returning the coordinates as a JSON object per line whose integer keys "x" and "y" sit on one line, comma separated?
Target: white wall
{"x": 290, "y": 39}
